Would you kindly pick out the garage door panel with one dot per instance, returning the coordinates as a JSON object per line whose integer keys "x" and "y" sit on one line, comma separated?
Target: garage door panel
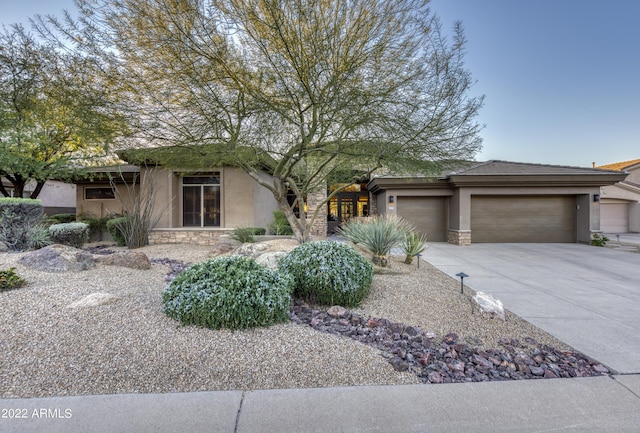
{"x": 523, "y": 219}
{"x": 614, "y": 217}
{"x": 427, "y": 214}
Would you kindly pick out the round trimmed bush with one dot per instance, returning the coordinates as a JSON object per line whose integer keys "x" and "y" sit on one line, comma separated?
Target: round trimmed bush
{"x": 229, "y": 292}
{"x": 331, "y": 273}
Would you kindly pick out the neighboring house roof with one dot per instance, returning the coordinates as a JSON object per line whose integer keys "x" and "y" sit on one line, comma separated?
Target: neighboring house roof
{"x": 503, "y": 173}
{"x": 620, "y": 166}
{"x": 625, "y": 167}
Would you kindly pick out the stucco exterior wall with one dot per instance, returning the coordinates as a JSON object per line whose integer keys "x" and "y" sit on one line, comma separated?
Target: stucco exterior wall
{"x": 237, "y": 196}
{"x": 165, "y": 189}
{"x": 634, "y": 217}
{"x": 98, "y": 208}
{"x": 243, "y": 202}
{"x": 263, "y": 204}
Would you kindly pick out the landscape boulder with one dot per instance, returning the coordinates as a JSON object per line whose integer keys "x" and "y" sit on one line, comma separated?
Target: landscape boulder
{"x": 221, "y": 248}
{"x": 94, "y": 300}
{"x": 251, "y": 249}
{"x": 271, "y": 259}
{"x": 127, "y": 259}
{"x": 57, "y": 258}
{"x": 487, "y": 304}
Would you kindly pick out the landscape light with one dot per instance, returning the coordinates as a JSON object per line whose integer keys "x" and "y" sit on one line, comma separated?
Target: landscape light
{"x": 462, "y": 275}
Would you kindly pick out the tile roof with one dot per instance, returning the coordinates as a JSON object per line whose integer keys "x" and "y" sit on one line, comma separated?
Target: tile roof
{"x": 496, "y": 167}
{"x": 620, "y": 166}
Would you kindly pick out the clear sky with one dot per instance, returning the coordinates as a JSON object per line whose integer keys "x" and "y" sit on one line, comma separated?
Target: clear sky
{"x": 561, "y": 77}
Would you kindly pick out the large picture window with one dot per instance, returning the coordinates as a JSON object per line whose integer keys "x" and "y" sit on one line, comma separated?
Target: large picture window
{"x": 201, "y": 200}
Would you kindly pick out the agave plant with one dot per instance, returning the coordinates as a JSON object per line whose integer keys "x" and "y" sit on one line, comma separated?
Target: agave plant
{"x": 413, "y": 244}
{"x": 378, "y": 234}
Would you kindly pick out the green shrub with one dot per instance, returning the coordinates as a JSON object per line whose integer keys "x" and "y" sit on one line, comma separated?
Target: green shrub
{"x": 247, "y": 234}
{"x": 10, "y": 280}
{"x": 378, "y": 234}
{"x": 72, "y": 234}
{"x": 599, "y": 240}
{"x": 17, "y": 217}
{"x": 63, "y": 218}
{"x": 38, "y": 237}
{"x": 96, "y": 225}
{"x": 280, "y": 225}
{"x": 329, "y": 273}
{"x": 228, "y": 292}
{"x": 414, "y": 243}
{"x": 114, "y": 227}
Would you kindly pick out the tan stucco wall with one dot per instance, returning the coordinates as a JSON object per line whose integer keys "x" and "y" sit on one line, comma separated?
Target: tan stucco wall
{"x": 243, "y": 201}
{"x": 166, "y": 194}
{"x": 263, "y": 203}
{"x": 98, "y": 208}
{"x": 237, "y": 198}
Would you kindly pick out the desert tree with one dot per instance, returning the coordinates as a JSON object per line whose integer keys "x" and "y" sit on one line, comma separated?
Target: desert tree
{"x": 54, "y": 112}
{"x": 307, "y": 90}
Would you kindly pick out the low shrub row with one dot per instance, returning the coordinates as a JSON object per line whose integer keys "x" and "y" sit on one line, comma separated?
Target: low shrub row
{"x": 236, "y": 293}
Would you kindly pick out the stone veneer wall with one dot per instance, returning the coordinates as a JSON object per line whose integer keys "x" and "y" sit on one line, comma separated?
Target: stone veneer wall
{"x": 319, "y": 227}
{"x": 459, "y": 237}
{"x": 181, "y": 236}
{"x": 373, "y": 204}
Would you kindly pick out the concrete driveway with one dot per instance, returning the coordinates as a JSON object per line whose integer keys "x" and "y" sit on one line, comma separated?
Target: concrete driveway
{"x": 588, "y": 297}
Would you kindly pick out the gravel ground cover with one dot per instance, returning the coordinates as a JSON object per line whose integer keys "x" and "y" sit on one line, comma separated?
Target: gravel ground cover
{"x": 130, "y": 346}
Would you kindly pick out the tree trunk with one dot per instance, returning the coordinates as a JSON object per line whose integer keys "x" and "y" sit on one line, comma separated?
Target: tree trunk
{"x": 36, "y": 192}
{"x": 298, "y": 225}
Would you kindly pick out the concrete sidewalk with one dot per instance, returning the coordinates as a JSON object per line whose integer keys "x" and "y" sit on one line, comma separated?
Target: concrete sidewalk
{"x": 599, "y": 404}
{"x": 588, "y": 297}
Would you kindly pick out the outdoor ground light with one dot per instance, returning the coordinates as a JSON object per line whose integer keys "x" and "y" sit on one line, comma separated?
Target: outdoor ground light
{"x": 462, "y": 275}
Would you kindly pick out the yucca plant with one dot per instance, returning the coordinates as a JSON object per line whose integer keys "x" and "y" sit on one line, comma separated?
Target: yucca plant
{"x": 378, "y": 234}
{"x": 413, "y": 244}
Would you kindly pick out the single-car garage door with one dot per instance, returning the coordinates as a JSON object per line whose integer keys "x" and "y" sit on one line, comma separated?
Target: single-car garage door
{"x": 614, "y": 217}
{"x": 428, "y": 214}
{"x": 523, "y": 219}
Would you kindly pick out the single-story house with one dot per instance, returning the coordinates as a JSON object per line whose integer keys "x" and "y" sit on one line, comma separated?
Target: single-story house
{"x": 499, "y": 201}
{"x": 494, "y": 201}
{"x": 620, "y": 203}
{"x": 57, "y": 196}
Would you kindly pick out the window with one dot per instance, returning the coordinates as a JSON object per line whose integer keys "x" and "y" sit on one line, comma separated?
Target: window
{"x": 106, "y": 193}
{"x": 201, "y": 200}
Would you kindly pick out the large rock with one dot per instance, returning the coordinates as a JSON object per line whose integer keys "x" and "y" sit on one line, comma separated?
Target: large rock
{"x": 3, "y": 247}
{"x": 94, "y": 300}
{"x": 251, "y": 249}
{"x": 221, "y": 248}
{"x": 271, "y": 259}
{"x": 487, "y": 304}
{"x": 127, "y": 259}
{"x": 57, "y": 258}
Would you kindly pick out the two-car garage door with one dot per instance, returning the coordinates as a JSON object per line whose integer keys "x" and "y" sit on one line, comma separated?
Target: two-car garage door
{"x": 494, "y": 218}
{"x": 523, "y": 218}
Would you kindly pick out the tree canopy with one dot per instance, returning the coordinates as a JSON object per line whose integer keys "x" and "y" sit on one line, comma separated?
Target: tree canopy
{"x": 320, "y": 86}
{"x": 53, "y": 112}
